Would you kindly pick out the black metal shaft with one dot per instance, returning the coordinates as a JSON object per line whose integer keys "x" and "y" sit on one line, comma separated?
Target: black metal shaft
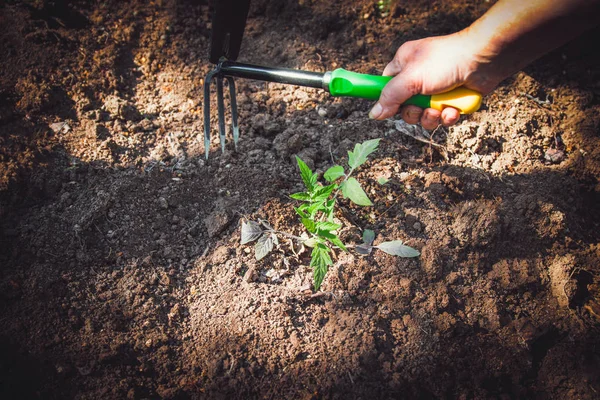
{"x": 269, "y": 74}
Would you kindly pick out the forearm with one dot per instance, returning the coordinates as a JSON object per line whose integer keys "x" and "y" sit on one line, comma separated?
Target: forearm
{"x": 513, "y": 33}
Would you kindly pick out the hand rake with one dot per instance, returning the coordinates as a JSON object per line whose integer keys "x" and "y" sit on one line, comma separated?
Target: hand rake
{"x": 228, "y": 26}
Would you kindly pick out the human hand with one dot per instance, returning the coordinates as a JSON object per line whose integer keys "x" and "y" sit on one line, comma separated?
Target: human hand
{"x": 430, "y": 66}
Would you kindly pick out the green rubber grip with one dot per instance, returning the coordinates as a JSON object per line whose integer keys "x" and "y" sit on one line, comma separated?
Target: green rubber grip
{"x": 364, "y": 86}
{"x": 352, "y": 84}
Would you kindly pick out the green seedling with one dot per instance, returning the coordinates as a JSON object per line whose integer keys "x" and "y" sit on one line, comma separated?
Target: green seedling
{"x": 316, "y": 212}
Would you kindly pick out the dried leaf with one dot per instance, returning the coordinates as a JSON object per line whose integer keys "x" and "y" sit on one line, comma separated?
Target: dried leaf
{"x": 263, "y": 246}
{"x": 250, "y": 231}
{"x": 312, "y": 242}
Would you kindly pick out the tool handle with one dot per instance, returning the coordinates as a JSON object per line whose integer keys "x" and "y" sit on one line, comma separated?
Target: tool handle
{"x": 352, "y": 84}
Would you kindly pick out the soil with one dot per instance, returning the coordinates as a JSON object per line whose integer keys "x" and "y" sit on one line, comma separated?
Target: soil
{"x": 122, "y": 273}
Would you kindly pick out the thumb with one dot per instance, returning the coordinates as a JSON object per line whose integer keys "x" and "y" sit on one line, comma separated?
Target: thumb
{"x": 396, "y": 92}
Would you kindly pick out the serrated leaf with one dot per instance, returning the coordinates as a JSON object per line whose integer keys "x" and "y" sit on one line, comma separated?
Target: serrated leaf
{"x": 309, "y": 224}
{"x": 397, "y": 248}
{"x": 334, "y": 173}
{"x": 333, "y": 239}
{"x": 352, "y": 190}
{"x": 368, "y": 236}
{"x": 251, "y": 231}
{"x": 361, "y": 151}
{"x": 382, "y": 180}
{"x": 364, "y": 249}
{"x": 263, "y": 246}
{"x": 314, "y": 208}
{"x": 319, "y": 262}
{"x": 328, "y": 226}
{"x": 300, "y": 211}
{"x": 329, "y": 209}
{"x": 302, "y": 196}
{"x": 307, "y": 175}
{"x": 323, "y": 193}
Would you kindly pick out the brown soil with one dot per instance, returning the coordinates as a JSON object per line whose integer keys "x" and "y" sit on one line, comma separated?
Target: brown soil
{"x": 121, "y": 270}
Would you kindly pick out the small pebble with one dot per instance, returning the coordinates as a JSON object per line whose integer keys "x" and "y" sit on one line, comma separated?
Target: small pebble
{"x": 162, "y": 202}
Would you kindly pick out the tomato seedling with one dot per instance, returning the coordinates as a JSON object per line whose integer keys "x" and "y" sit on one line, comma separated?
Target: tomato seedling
{"x": 316, "y": 212}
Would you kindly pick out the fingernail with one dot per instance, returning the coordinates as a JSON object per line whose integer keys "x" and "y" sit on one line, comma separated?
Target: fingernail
{"x": 414, "y": 113}
{"x": 432, "y": 119}
{"x": 375, "y": 111}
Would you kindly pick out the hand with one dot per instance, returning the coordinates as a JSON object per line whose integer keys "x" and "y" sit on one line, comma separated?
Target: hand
{"x": 430, "y": 66}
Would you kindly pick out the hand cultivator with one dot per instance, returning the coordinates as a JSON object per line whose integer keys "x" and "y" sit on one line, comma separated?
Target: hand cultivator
{"x": 229, "y": 21}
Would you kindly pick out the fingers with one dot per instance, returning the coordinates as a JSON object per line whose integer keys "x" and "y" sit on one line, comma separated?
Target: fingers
{"x": 401, "y": 57}
{"x": 396, "y": 92}
{"x": 429, "y": 118}
{"x": 411, "y": 114}
{"x": 393, "y": 68}
{"x": 450, "y": 116}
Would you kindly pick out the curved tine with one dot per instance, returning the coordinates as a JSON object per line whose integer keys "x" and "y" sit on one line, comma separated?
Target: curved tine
{"x": 221, "y": 110}
{"x": 234, "y": 114}
{"x": 206, "y": 110}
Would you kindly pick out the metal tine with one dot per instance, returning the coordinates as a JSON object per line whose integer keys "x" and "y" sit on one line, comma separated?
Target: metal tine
{"x": 207, "y": 82}
{"x": 221, "y": 110}
{"x": 234, "y": 114}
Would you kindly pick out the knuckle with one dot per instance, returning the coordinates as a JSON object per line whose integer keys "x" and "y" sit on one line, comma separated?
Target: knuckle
{"x": 413, "y": 85}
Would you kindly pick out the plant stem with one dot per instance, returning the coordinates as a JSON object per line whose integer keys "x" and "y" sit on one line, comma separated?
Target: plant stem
{"x": 288, "y": 235}
{"x": 346, "y": 177}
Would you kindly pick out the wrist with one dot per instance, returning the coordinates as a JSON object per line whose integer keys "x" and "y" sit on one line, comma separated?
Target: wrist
{"x": 483, "y": 66}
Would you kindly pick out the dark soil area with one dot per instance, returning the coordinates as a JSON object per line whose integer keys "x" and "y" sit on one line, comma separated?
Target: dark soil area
{"x": 121, "y": 272}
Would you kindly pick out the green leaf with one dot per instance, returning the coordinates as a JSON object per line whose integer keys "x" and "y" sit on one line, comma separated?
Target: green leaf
{"x": 309, "y": 224}
{"x": 314, "y": 208}
{"x": 307, "y": 175}
{"x": 382, "y": 180}
{"x": 251, "y": 231}
{"x": 368, "y": 236}
{"x": 323, "y": 193}
{"x": 328, "y": 226}
{"x": 351, "y": 189}
{"x": 358, "y": 157}
{"x": 303, "y": 196}
{"x": 396, "y": 248}
{"x": 333, "y": 239}
{"x": 333, "y": 173}
{"x": 300, "y": 211}
{"x": 329, "y": 209}
{"x": 319, "y": 262}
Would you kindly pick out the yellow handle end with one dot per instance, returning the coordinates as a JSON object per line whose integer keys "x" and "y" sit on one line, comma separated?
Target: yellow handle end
{"x": 465, "y": 100}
